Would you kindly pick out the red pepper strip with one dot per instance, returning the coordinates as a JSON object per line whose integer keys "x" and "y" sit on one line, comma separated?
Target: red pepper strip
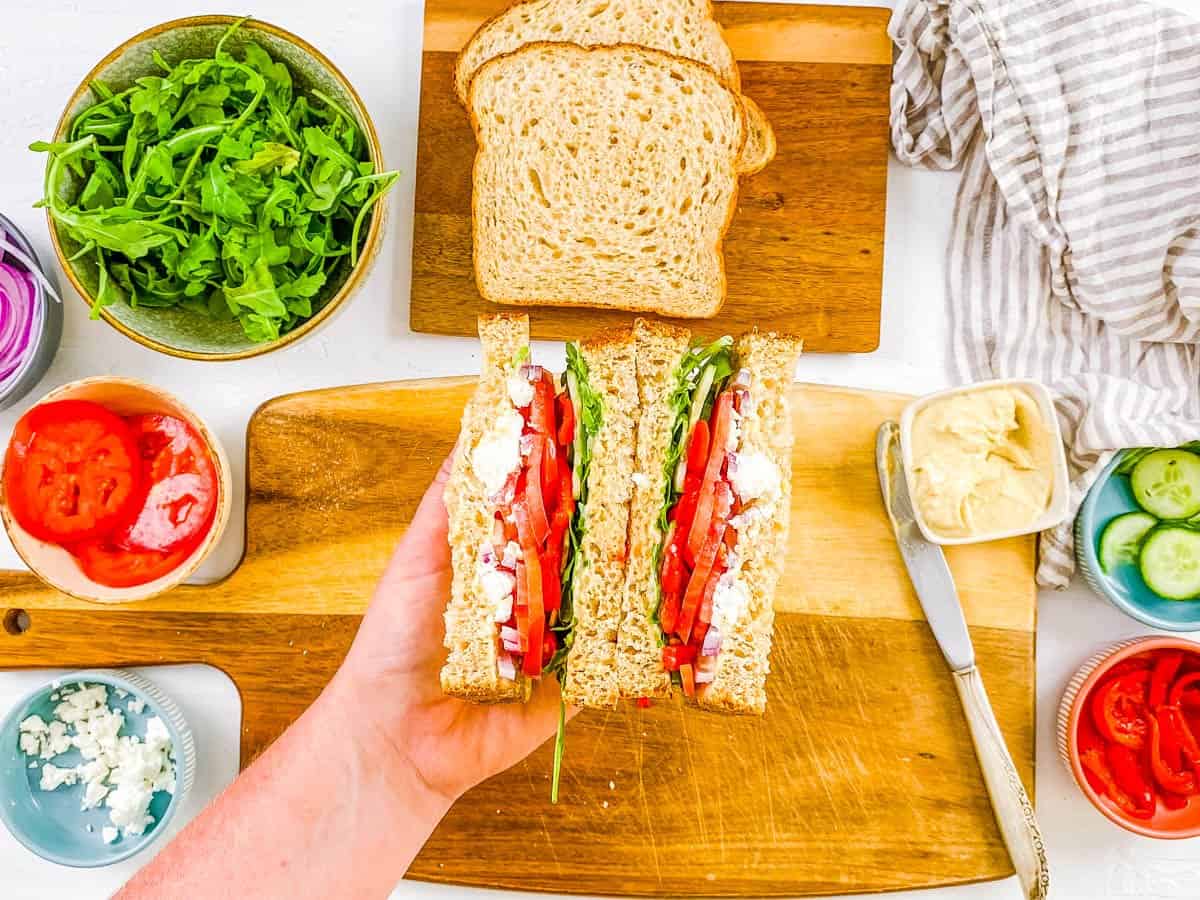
{"x": 1164, "y": 774}
{"x": 566, "y": 420}
{"x": 1172, "y": 801}
{"x": 1190, "y": 699}
{"x": 676, "y": 655}
{"x": 521, "y": 610}
{"x": 1087, "y": 738}
{"x": 549, "y": 475}
{"x": 705, "y": 562}
{"x": 685, "y": 510}
{"x": 1163, "y": 674}
{"x": 1189, "y": 748}
{"x": 1133, "y": 664}
{"x": 1127, "y": 770}
{"x": 1094, "y": 763}
{"x": 1181, "y": 685}
{"x": 697, "y": 451}
{"x": 712, "y": 472}
{"x": 672, "y": 573}
{"x": 668, "y": 614}
{"x": 1119, "y": 709}
{"x": 688, "y": 676}
{"x": 531, "y": 663}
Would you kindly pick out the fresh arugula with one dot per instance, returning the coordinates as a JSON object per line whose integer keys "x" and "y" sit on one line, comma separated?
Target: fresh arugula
{"x": 687, "y": 377}
{"x": 589, "y": 413}
{"x": 216, "y": 188}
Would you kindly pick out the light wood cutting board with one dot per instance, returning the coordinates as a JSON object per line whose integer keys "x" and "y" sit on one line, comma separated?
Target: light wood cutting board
{"x": 805, "y": 250}
{"x": 860, "y": 777}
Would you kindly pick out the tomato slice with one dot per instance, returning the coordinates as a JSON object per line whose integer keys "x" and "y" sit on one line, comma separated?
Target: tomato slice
{"x": 1119, "y": 709}
{"x": 178, "y": 510}
{"x": 676, "y": 655}
{"x": 105, "y": 563}
{"x": 705, "y": 562}
{"x": 716, "y": 459}
{"x": 170, "y": 446}
{"x": 533, "y": 491}
{"x": 72, "y": 472}
{"x": 531, "y": 662}
{"x": 566, "y": 419}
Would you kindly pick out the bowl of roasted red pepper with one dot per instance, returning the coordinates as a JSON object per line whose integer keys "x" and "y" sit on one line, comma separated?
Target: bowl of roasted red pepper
{"x": 113, "y": 490}
{"x": 1129, "y": 731}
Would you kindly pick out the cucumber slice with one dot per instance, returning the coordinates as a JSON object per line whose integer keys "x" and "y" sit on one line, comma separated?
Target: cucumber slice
{"x": 1122, "y": 538}
{"x": 1170, "y": 563}
{"x": 1166, "y": 483}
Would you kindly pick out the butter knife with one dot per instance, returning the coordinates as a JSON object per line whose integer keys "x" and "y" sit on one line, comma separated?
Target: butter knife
{"x": 935, "y": 589}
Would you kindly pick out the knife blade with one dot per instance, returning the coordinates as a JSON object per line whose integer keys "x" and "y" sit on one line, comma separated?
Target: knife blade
{"x": 925, "y": 561}
{"x": 931, "y": 578}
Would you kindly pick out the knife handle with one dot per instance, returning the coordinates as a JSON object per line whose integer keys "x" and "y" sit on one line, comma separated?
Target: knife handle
{"x": 1014, "y": 813}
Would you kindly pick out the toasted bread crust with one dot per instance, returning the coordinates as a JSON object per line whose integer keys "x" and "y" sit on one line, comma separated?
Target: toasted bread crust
{"x": 470, "y": 671}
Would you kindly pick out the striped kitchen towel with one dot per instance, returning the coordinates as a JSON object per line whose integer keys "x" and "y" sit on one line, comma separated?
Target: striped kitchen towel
{"x": 1075, "y": 252}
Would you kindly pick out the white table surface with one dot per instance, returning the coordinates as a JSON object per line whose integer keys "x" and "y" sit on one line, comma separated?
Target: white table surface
{"x": 46, "y": 46}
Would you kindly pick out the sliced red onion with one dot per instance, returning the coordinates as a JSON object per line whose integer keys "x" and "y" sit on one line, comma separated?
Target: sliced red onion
{"x": 527, "y": 444}
{"x": 531, "y": 372}
{"x": 703, "y": 677}
{"x": 510, "y": 639}
{"x": 506, "y": 667}
{"x": 487, "y": 555}
{"x": 18, "y": 312}
{"x": 742, "y": 380}
{"x": 712, "y": 642}
{"x": 30, "y": 264}
{"x": 731, "y": 463}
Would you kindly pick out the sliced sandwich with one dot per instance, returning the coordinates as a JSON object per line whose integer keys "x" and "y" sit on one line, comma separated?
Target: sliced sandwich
{"x": 538, "y": 504}
{"x": 604, "y": 177}
{"x": 683, "y": 28}
{"x": 709, "y": 517}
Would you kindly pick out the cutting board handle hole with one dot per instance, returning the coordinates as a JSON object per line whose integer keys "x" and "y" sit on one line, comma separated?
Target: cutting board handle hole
{"x": 17, "y": 622}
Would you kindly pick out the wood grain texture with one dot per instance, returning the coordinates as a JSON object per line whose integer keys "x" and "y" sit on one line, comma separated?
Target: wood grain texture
{"x": 805, "y": 251}
{"x": 861, "y": 776}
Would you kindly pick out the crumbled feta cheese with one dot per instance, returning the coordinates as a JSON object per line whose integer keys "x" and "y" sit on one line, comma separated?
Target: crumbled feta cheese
{"x": 520, "y": 391}
{"x": 121, "y": 771}
{"x": 498, "y": 587}
{"x": 755, "y": 477}
{"x": 512, "y": 555}
{"x": 109, "y": 834}
{"x": 641, "y": 480}
{"x": 730, "y": 600}
{"x": 499, "y": 452}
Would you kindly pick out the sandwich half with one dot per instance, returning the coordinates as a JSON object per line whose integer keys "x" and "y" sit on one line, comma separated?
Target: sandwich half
{"x": 538, "y": 505}
{"x": 709, "y": 517}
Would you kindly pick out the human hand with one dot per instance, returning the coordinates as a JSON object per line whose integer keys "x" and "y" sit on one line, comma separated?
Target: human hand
{"x": 392, "y": 671}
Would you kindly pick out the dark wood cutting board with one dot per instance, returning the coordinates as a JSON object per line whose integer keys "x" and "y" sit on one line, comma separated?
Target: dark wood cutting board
{"x": 860, "y": 777}
{"x": 805, "y": 251}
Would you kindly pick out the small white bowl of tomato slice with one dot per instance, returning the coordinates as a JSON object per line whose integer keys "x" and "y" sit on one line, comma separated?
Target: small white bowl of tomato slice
{"x": 1129, "y": 732}
{"x": 113, "y": 490}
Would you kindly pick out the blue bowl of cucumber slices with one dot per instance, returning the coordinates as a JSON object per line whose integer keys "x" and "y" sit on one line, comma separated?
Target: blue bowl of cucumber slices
{"x": 1137, "y": 536}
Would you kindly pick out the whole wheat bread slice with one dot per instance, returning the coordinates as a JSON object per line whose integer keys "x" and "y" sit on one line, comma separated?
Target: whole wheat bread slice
{"x": 470, "y": 670}
{"x": 684, "y": 28}
{"x": 599, "y": 574}
{"x": 604, "y": 177}
{"x": 659, "y": 347}
{"x": 739, "y": 684}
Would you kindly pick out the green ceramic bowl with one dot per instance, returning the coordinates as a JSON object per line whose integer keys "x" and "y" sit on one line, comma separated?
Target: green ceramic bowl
{"x": 176, "y": 331}
{"x": 1124, "y": 588}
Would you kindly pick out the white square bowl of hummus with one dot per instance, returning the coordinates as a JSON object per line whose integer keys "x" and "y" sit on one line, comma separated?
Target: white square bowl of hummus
{"x": 985, "y": 462}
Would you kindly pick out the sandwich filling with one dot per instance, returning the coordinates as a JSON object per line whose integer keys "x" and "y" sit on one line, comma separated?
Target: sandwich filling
{"x": 715, "y": 495}
{"x": 533, "y": 464}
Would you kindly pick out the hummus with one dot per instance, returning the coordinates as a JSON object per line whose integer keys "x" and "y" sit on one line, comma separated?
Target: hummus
{"x": 982, "y": 462}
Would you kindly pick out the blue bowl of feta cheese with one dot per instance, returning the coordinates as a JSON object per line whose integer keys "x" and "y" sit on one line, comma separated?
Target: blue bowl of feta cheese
{"x": 93, "y": 767}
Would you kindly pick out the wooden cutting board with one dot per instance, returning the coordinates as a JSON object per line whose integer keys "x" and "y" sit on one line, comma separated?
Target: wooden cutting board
{"x": 860, "y": 777}
{"x": 805, "y": 251}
